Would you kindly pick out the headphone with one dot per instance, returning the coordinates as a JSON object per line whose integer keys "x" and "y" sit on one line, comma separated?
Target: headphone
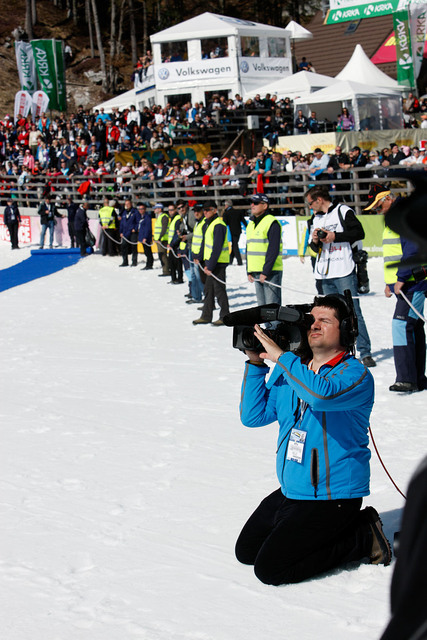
{"x": 345, "y": 308}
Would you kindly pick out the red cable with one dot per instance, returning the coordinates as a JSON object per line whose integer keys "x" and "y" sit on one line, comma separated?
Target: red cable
{"x": 383, "y": 465}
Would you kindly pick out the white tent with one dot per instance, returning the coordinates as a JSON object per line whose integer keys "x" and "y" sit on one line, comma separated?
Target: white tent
{"x": 295, "y": 86}
{"x": 123, "y": 101}
{"x": 297, "y": 31}
{"x": 360, "y": 69}
{"x": 372, "y": 107}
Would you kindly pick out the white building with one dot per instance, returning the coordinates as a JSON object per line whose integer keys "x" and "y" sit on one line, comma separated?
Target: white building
{"x": 213, "y": 54}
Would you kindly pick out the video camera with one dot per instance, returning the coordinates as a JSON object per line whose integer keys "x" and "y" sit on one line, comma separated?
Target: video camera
{"x": 290, "y": 331}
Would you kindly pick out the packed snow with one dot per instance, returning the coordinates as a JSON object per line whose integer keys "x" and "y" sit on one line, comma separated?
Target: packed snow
{"x": 126, "y": 474}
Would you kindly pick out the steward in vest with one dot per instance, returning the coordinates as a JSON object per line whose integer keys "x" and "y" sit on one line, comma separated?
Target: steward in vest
{"x": 161, "y": 230}
{"x": 198, "y": 277}
{"x": 175, "y": 263}
{"x": 108, "y": 221}
{"x": 409, "y": 341}
{"x": 264, "y": 251}
{"x": 216, "y": 257}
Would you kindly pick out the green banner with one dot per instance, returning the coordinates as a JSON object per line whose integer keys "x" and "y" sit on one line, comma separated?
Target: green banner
{"x": 404, "y": 60}
{"x": 60, "y": 75}
{"x": 357, "y": 12}
{"x": 45, "y": 59}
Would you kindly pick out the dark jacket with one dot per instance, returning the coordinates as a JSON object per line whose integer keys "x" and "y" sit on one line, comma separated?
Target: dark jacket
{"x": 129, "y": 221}
{"x": 80, "y": 220}
{"x": 234, "y": 218}
{"x": 48, "y": 212}
{"x": 145, "y": 229}
{"x": 11, "y": 214}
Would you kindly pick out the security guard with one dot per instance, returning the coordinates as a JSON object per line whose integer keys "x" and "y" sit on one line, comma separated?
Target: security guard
{"x": 409, "y": 341}
{"x": 264, "y": 251}
{"x": 216, "y": 257}
{"x": 161, "y": 229}
{"x": 108, "y": 221}
{"x": 175, "y": 263}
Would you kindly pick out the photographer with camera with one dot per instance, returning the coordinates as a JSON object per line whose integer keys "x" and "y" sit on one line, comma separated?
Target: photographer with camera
{"x": 322, "y": 399}
{"x": 334, "y": 230}
{"x": 409, "y": 339}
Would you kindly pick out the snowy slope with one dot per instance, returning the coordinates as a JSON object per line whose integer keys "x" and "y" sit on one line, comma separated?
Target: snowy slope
{"x": 126, "y": 475}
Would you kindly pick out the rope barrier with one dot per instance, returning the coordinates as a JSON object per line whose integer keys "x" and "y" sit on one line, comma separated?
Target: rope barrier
{"x": 420, "y": 315}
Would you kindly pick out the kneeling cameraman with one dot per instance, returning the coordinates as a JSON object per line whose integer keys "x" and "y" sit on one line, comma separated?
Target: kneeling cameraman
{"x": 322, "y": 401}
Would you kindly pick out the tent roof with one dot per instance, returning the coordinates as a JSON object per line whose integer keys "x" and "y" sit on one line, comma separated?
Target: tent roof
{"x": 345, "y": 90}
{"x": 295, "y": 85}
{"x": 360, "y": 69}
{"x": 297, "y": 31}
{"x": 123, "y": 101}
{"x": 207, "y": 25}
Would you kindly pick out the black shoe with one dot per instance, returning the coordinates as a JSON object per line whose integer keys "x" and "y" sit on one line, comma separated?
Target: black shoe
{"x": 164, "y": 275}
{"x": 191, "y": 301}
{"x": 201, "y": 321}
{"x": 146, "y": 268}
{"x": 368, "y": 361}
{"x": 404, "y": 387}
{"x": 123, "y": 265}
{"x": 187, "y": 295}
{"x": 381, "y": 550}
{"x": 133, "y": 264}
{"x": 177, "y": 281}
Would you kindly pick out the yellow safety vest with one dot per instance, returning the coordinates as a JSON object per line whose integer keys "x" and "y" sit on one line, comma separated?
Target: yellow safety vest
{"x": 196, "y": 241}
{"x": 172, "y": 226}
{"x": 106, "y": 217}
{"x": 257, "y": 245}
{"x": 392, "y": 254}
{"x": 224, "y": 256}
{"x": 158, "y": 228}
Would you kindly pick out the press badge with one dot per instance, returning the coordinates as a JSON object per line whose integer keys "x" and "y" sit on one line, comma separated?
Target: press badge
{"x": 296, "y": 445}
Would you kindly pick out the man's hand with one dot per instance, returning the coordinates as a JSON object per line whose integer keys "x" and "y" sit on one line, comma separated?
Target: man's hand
{"x": 387, "y": 291}
{"x": 302, "y": 259}
{"x": 206, "y": 270}
{"x": 398, "y": 287}
{"x": 262, "y": 278}
{"x": 272, "y": 350}
{"x": 196, "y": 261}
{"x": 330, "y": 237}
{"x": 251, "y": 278}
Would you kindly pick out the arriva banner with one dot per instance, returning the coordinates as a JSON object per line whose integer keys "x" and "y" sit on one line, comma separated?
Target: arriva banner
{"x": 215, "y": 69}
{"x": 40, "y": 104}
{"x": 45, "y": 58}
{"x": 404, "y": 60}
{"x": 26, "y": 66}
{"x": 264, "y": 68}
{"x": 23, "y": 102}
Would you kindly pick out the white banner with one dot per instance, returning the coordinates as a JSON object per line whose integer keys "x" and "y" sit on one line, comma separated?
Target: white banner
{"x": 210, "y": 70}
{"x": 40, "y": 104}
{"x": 266, "y": 68}
{"x": 418, "y": 28}
{"x": 26, "y": 66}
{"x": 23, "y": 102}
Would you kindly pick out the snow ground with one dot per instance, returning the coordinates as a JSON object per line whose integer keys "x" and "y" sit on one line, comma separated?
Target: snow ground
{"x": 126, "y": 475}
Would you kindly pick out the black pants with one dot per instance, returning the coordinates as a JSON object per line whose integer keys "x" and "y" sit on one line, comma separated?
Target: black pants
{"x": 215, "y": 289}
{"x": 110, "y": 239}
{"x": 81, "y": 241}
{"x": 288, "y": 541}
{"x": 13, "y": 232}
{"x": 127, "y": 248}
{"x": 72, "y": 233}
{"x": 149, "y": 255}
{"x": 175, "y": 267}
{"x": 235, "y": 251}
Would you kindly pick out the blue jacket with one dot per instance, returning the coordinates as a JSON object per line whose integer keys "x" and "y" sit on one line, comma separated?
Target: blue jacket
{"x": 332, "y": 407}
{"x": 145, "y": 229}
{"x": 129, "y": 220}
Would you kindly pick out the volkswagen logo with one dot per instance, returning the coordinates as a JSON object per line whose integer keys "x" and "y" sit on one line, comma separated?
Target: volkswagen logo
{"x": 163, "y": 73}
{"x": 244, "y": 67}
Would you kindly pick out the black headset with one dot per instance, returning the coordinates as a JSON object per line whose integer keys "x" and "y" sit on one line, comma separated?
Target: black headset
{"x": 348, "y": 325}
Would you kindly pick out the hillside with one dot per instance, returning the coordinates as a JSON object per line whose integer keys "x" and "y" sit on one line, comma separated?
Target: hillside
{"x": 52, "y": 23}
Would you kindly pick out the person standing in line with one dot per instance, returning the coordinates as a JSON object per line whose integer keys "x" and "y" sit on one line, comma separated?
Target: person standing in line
{"x": 48, "y": 212}
{"x": 161, "y": 229}
{"x": 71, "y": 214}
{"x": 175, "y": 263}
{"x": 198, "y": 276}
{"x": 145, "y": 235}
{"x": 129, "y": 222}
{"x": 216, "y": 257}
{"x": 81, "y": 224}
{"x": 334, "y": 229}
{"x": 264, "y": 251}
{"x": 12, "y": 220}
{"x": 234, "y": 219}
{"x": 409, "y": 338}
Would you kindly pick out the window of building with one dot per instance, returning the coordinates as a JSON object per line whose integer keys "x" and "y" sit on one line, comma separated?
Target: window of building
{"x": 214, "y": 48}
{"x": 276, "y": 47}
{"x": 179, "y": 98}
{"x": 249, "y": 46}
{"x": 174, "y": 51}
